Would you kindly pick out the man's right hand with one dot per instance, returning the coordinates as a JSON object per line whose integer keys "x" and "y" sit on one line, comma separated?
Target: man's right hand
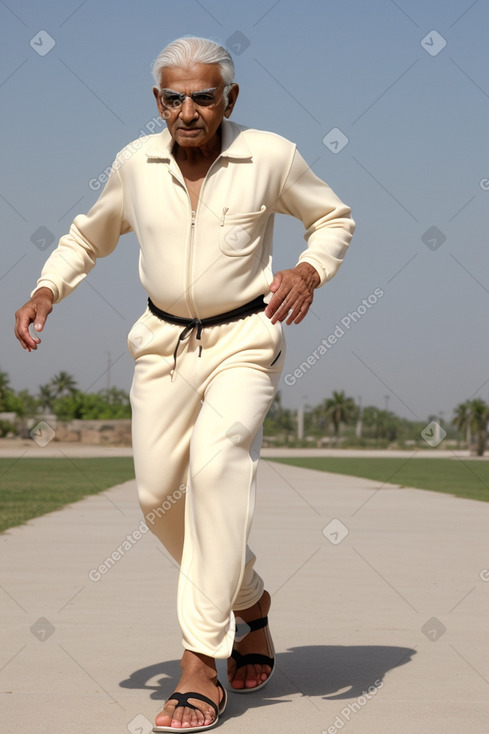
{"x": 34, "y": 311}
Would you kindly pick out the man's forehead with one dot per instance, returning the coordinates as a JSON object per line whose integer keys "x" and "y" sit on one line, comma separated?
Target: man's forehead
{"x": 192, "y": 78}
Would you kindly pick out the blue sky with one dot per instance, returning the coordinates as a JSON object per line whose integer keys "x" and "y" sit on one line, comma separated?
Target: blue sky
{"x": 407, "y": 85}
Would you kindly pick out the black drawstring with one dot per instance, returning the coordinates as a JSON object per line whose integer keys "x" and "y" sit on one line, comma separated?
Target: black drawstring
{"x": 254, "y": 306}
{"x": 194, "y": 324}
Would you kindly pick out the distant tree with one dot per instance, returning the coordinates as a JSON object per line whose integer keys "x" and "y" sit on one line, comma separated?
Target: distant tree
{"x": 45, "y": 397}
{"x": 279, "y": 419}
{"x": 339, "y": 409}
{"x": 23, "y": 403}
{"x": 63, "y": 384}
{"x": 462, "y": 419}
{"x": 480, "y": 416}
{"x": 104, "y": 405}
{"x": 473, "y": 416}
{"x": 5, "y": 391}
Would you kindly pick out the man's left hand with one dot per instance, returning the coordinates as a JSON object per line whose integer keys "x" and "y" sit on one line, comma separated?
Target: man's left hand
{"x": 292, "y": 294}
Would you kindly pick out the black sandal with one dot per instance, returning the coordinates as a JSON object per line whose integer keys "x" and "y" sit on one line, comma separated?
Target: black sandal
{"x": 183, "y": 698}
{"x": 255, "y": 657}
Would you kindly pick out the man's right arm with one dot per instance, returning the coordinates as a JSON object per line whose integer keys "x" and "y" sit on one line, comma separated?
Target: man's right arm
{"x": 91, "y": 236}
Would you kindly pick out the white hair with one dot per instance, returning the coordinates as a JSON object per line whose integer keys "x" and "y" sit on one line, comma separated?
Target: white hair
{"x": 185, "y": 52}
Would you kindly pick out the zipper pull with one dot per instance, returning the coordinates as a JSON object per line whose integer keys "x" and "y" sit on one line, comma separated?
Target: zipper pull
{"x": 223, "y": 216}
{"x": 193, "y": 218}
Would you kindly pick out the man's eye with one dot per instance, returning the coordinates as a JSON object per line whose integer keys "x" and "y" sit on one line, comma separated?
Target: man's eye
{"x": 173, "y": 99}
{"x": 203, "y": 99}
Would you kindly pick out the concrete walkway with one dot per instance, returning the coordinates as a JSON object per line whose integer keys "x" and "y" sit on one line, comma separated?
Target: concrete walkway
{"x": 379, "y": 613}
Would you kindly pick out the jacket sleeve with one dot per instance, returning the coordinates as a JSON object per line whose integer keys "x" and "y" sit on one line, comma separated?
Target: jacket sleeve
{"x": 91, "y": 235}
{"x": 328, "y": 222}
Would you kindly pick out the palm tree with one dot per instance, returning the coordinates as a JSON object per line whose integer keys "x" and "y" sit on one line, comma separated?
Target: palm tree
{"x": 339, "y": 409}
{"x": 472, "y": 416}
{"x": 480, "y": 416}
{"x": 63, "y": 384}
{"x": 462, "y": 419}
{"x": 46, "y": 397}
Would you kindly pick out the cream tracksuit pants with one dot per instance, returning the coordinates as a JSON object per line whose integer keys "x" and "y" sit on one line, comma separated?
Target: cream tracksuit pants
{"x": 196, "y": 441}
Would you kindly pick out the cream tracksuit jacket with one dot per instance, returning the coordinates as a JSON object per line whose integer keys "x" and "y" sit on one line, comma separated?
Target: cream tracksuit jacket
{"x": 203, "y": 263}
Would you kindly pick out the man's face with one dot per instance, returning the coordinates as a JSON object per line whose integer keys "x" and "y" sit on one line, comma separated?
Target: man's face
{"x": 192, "y": 125}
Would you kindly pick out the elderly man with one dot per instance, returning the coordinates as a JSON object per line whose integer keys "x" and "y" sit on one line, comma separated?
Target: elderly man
{"x": 208, "y": 350}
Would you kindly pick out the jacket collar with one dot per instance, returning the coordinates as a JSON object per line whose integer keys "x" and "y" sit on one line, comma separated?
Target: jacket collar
{"x": 233, "y": 143}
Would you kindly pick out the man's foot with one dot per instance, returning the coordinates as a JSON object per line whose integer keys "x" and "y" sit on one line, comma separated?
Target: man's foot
{"x": 246, "y": 677}
{"x": 198, "y": 675}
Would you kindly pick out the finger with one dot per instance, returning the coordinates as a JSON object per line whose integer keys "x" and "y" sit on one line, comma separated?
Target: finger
{"x": 23, "y": 320}
{"x": 289, "y": 304}
{"x": 42, "y": 312}
{"x": 282, "y": 312}
{"x": 274, "y": 305}
{"x": 298, "y": 310}
{"x": 283, "y": 299}
{"x": 277, "y": 280}
{"x": 302, "y": 313}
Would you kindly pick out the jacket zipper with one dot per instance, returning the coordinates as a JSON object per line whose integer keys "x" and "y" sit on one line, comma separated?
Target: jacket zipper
{"x": 190, "y": 252}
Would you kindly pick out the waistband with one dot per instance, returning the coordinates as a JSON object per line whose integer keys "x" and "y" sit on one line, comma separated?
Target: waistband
{"x": 254, "y": 306}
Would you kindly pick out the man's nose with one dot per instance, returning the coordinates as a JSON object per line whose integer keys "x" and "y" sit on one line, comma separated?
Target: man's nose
{"x": 188, "y": 111}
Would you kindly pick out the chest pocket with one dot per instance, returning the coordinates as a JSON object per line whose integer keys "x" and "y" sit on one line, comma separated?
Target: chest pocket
{"x": 239, "y": 234}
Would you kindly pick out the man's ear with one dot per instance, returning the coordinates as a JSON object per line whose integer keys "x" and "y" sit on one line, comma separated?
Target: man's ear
{"x": 232, "y": 97}
{"x": 159, "y": 104}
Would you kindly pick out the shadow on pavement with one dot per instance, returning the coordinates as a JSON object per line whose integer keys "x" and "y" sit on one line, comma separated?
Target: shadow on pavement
{"x": 335, "y": 672}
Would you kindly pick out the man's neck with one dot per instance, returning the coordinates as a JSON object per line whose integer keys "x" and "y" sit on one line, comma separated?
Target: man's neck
{"x": 198, "y": 156}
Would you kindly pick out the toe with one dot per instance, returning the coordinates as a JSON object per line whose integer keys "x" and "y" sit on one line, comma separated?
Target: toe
{"x": 164, "y": 718}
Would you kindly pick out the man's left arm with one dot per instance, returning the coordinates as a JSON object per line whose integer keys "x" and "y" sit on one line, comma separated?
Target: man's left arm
{"x": 329, "y": 229}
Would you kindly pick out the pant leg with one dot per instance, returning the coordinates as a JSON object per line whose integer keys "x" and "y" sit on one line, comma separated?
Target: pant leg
{"x": 163, "y": 416}
{"x": 217, "y": 566}
{"x": 211, "y": 415}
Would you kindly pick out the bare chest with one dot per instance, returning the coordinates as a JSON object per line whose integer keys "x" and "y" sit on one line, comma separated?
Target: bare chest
{"x": 194, "y": 176}
{"x": 193, "y": 187}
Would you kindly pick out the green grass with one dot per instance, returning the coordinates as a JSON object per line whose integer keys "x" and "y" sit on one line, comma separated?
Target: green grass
{"x": 460, "y": 477}
{"x": 32, "y": 487}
